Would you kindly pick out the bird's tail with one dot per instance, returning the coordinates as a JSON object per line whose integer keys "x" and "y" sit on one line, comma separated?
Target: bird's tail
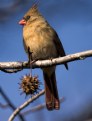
{"x": 51, "y": 92}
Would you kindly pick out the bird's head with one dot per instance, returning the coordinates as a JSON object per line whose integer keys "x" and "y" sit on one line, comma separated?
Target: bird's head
{"x": 32, "y": 15}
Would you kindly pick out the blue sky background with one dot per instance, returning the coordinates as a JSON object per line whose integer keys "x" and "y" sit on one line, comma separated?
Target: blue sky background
{"x": 72, "y": 19}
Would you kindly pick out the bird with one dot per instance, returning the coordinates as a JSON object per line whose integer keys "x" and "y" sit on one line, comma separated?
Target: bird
{"x": 43, "y": 42}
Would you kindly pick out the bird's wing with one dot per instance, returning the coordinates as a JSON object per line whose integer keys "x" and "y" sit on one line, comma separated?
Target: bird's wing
{"x": 59, "y": 47}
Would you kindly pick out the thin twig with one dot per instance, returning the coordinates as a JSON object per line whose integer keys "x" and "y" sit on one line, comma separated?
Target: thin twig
{"x": 39, "y": 107}
{"x": 45, "y": 63}
{"x": 24, "y": 105}
{"x": 34, "y": 109}
{"x": 10, "y": 103}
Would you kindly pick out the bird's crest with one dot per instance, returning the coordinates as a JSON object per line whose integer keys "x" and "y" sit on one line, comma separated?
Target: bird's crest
{"x": 34, "y": 7}
{"x": 33, "y": 10}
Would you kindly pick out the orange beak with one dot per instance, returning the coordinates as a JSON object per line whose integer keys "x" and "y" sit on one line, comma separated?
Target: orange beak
{"x": 22, "y": 22}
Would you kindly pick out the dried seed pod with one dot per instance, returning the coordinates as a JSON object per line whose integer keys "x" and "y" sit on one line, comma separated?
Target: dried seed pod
{"x": 30, "y": 84}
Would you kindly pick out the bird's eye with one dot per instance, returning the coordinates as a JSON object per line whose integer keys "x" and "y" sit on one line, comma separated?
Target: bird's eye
{"x": 27, "y": 18}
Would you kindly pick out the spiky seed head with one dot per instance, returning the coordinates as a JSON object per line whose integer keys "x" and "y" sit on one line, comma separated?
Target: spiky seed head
{"x": 30, "y": 84}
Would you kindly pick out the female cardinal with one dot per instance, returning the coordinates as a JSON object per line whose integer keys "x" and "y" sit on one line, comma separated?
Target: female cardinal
{"x": 42, "y": 40}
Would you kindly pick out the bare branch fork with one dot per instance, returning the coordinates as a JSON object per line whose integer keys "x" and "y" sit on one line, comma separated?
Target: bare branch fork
{"x": 45, "y": 63}
{"x": 24, "y": 105}
{"x": 39, "y": 107}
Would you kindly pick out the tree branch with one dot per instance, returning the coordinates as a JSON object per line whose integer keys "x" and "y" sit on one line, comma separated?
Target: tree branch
{"x": 10, "y": 103}
{"x": 39, "y": 107}
{"x": 36, "y": 108}
{"x": 24, "y": 105}
{"x": 45, "y": 63}
{"x": 40, "y": 64}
